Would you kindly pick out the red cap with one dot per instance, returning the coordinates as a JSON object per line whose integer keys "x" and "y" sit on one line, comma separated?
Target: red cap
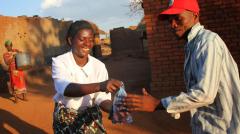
{"x": 178, "y": 6}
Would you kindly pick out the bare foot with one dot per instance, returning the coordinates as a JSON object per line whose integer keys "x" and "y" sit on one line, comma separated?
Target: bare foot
{"x": 16, "y": 98}
{"x": 25, "y": 96}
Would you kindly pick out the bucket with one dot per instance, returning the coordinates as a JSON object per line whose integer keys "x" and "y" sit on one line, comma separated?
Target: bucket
{"x": 23, "y": 61}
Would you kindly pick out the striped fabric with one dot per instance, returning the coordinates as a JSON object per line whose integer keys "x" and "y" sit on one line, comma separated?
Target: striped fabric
{"x": 213, "y": 85}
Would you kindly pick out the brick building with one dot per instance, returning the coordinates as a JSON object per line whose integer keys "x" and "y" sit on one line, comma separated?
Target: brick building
{"x": 42, "y": 38}
{"x": 167, "y": 54}
{"x": 126, "y": 41}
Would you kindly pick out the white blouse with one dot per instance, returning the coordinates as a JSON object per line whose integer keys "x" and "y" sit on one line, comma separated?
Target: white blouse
{"x": 66, "y": 71}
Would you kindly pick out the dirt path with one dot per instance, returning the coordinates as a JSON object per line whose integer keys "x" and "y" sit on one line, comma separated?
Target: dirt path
{"x": 35, "y": 115}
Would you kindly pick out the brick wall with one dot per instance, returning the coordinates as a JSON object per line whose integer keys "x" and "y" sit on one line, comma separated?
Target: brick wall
{"x": 125, "y": 41}
{"x": 41, "y": 37}
{"x": 167, "y": 54}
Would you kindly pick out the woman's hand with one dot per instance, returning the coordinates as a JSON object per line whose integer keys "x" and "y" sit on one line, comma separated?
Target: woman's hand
{"x": 111, "y": 85}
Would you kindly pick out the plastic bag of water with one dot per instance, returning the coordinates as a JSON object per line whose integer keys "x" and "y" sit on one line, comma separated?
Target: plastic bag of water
{"x": 119, "y": 112}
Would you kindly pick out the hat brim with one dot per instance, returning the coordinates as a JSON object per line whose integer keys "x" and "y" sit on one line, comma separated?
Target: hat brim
{"x": 171, "y": 11}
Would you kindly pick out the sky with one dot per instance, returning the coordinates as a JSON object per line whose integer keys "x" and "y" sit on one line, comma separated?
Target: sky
{"x": 107, "y": 14}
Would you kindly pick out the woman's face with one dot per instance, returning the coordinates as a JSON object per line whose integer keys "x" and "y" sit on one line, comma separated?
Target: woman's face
{"x": 82, "y": 43}
{"x": 9, "y": 47}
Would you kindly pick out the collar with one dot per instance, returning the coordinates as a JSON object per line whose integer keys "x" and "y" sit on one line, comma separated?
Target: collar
{"x": 194, "y": 30}
{"x": 73, "y": 60}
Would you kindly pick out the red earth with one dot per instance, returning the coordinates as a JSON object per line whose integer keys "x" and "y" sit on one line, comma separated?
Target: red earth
{"x": 35, "y": 115}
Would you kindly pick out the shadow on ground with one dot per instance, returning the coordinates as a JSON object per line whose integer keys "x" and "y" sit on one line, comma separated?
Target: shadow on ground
{"x": 13, "y": 122}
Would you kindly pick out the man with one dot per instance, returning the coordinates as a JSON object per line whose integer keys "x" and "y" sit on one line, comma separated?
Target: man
{"x": 211, "y": 77}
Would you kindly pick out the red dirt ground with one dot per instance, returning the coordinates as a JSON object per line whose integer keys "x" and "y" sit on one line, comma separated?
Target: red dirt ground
{"x": 35, "y": 115}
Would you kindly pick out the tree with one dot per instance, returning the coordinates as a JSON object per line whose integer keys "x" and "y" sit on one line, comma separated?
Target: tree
{"x": 136, "y": 7}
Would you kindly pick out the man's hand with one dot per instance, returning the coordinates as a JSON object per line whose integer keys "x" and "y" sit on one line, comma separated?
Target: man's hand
{"x": 144, "y": 102}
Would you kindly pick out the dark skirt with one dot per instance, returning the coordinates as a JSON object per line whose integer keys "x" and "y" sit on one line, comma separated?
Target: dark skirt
{"x": 70, "y": 121}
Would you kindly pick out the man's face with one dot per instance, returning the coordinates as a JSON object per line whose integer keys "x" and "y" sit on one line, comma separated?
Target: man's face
{"x": 180, "y": 23}
{"x": 82, "y": 42}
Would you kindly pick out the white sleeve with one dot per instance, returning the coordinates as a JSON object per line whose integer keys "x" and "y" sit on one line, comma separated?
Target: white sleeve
{"x": 60, "y": 76}
{"x": 102, "y": 96}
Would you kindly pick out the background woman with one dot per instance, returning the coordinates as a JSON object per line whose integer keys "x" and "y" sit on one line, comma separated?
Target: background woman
{"x": 17, "y": 80}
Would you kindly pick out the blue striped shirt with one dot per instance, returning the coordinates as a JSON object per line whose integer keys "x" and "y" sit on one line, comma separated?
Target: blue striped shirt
{"x": 213, "y": 86}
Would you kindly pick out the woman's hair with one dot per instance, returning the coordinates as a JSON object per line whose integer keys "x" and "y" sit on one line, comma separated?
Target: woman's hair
{"x": 77, "y": 26}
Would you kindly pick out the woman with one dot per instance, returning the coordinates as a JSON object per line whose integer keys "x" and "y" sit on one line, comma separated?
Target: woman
{"x": 82, "y": 85}
{"x": 17, "y": 80}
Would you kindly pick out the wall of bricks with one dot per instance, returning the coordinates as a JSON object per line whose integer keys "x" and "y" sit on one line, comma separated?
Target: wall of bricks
{"x": 41, "y": 37}
{"x": 125, "y": 41}
{"x": 167, "y": 54}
